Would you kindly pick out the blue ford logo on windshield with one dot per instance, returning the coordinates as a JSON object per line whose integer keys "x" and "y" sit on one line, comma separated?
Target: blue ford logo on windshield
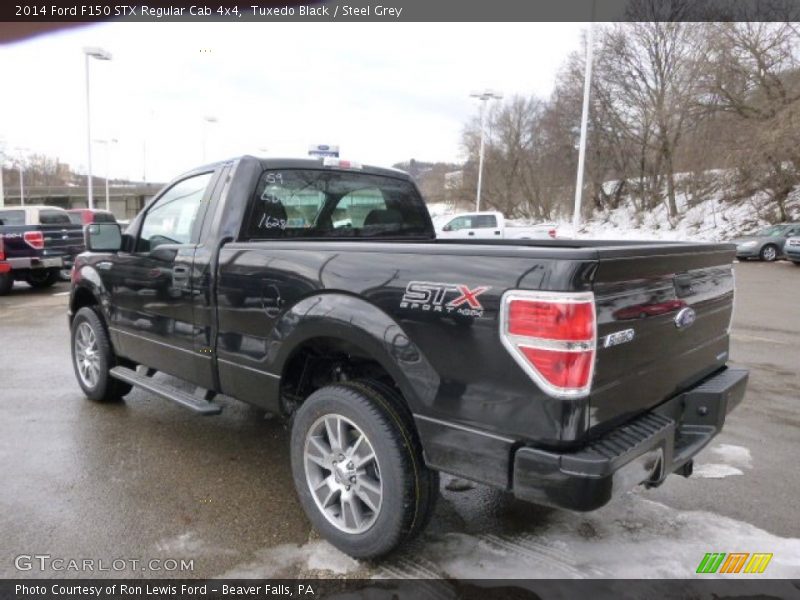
{"x": 685, "y": 318}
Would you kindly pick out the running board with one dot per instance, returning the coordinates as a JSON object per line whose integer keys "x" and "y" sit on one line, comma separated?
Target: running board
{"x": 144, "y": 380}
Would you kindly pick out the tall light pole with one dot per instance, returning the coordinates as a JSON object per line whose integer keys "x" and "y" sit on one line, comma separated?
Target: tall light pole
{"x": 587, "y": 85}
{"x": 21, "y": 184}
{"x": 99, "y": 54}
{"x": 20, "y": 152}
{"x": 484, "y": 97}
{"x": 207, "y": 119}
{"x": 107, "y": 144}
{"x": 2, "y": 191}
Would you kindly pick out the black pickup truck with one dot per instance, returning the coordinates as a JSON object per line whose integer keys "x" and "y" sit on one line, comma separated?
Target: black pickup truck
{"x": 317, "y": 289}
{"x": 37, "y": 243}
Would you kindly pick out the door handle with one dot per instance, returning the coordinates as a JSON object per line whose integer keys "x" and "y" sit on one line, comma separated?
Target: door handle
{"x": 471, "y": 233}
{"x": 180, "y": 270}
{"x": 497, "y": 233}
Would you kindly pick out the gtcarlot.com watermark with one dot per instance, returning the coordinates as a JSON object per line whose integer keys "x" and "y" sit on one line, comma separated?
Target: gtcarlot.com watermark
{"x": 49, "y": 563}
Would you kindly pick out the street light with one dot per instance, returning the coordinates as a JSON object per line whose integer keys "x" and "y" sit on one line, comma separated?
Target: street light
{"x": 587, "y": 85}
{"x": 99, "y": 54}
{"x": 20, "y": 152}
{"x": 206, "y": 119}
{"x": 107, "y": 144}
{"x": 2, "y": 164}
{"x": 484, "y": 97}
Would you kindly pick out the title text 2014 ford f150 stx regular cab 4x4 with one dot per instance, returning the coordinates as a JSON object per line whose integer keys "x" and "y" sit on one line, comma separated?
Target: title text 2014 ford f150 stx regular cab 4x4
{"x": 317, "y": 289}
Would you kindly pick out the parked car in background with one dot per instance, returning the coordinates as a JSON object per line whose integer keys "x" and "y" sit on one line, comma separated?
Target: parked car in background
{"x": 86, "y": 216}
{"x": 38, "y": 243}
{"x": 6, "y": 279}
{"x": 792, "y": 250}
{"x": 767, "y": 244}
{"x": 490, "y": 225}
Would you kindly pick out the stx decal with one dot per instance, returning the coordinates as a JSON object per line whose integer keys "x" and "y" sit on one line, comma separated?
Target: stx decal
{"x": 444, "y": 298}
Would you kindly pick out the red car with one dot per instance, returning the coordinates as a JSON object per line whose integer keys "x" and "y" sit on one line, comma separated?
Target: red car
{"x": 637, "y": 311}
{"x": 85, "y": 216}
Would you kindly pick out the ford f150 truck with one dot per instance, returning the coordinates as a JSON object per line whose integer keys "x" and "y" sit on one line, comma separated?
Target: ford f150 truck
{"x": 490, "y": 225}
{"x": 38, "y": 243}
{"x": 317, "y": 289}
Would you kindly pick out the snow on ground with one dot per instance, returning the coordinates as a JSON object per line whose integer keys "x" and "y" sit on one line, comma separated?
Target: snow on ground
{"x": 632, "y": 537}
{"x": 734, "y": 458}
{"x": 712, "y": 220}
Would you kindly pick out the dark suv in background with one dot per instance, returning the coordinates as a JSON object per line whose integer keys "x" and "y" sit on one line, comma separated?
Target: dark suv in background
{"x": 87, "y": 216}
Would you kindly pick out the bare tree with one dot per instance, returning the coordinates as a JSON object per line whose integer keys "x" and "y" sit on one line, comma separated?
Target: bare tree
{"x": 754, "y": 78}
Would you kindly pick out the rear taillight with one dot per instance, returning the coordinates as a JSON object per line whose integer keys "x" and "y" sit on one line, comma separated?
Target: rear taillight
{"x": 552, "y": 233}
{"x": 2, "y": 249}
{"x": 34, "y": 239}
{"x": 552, "y": 336}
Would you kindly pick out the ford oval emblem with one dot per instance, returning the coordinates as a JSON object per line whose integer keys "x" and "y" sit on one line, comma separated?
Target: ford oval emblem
{"x": 685, "y": 318}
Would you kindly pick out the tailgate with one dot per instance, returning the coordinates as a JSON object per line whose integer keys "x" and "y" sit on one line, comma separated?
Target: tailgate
{"x": 663, "y": 319}
{"x": 62, "y": 239}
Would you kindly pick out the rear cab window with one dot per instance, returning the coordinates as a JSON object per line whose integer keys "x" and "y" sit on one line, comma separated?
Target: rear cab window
{"x": 12, "y": 217}
{"x": 54, "y": 217}
{"x": 330, "y": 204}
{"x": 103, "y": 217}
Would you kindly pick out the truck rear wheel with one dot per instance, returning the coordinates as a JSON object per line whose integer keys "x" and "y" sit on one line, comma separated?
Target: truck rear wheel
{"x": 358, "y": 469}
{"x": 41, "y": 278}
{"x": 6, "y": 283}
{"x": 768, "y": 253}
{"x": 93, "y": 358}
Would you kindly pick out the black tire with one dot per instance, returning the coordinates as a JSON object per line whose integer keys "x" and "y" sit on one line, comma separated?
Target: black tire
{"x": 769, "y": 253}
{"x": 41, "y": 278}
{"x": 429, "y": 490}
{"x": 796, "y": 264}
{"x": 407, "y": 494}
{"x": 6, "y": 283}
{"x": 105, "y": 388}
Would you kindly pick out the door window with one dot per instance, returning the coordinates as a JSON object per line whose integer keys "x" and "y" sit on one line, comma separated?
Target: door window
{"x": 172, "y": 218}
{"x": 460, "y": 223}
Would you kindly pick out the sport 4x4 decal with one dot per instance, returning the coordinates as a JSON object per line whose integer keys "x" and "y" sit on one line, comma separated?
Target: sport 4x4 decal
{"x": 444, "y": 298}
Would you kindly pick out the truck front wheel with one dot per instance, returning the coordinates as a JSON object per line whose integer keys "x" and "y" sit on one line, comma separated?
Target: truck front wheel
{"x": 358, "y": 469}
{"x": 93, "y": 357}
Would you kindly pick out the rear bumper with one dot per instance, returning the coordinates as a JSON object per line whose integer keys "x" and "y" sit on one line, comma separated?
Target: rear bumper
{"x": 792, "y": 252}
{"x": 49, "y": 262}
{"x": 644, "y": 450}
{"x": 748, "y": 252}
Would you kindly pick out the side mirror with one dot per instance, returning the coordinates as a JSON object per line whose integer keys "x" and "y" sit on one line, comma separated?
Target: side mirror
{"x": 102, "y": 237}
{"x": 447, "y": 228}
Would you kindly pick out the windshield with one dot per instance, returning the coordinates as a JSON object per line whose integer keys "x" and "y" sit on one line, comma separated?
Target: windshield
{"x": 291, "y": 203}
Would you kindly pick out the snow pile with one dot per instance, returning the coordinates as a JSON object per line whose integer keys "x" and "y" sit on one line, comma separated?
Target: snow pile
{"x": 713, "y": 220}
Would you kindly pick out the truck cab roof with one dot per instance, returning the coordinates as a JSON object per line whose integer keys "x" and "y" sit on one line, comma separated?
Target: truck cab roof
{"x": 308, "y": 163}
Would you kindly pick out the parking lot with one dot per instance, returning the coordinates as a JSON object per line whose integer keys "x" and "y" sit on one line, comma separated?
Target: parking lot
{"x": 146, "y": 479}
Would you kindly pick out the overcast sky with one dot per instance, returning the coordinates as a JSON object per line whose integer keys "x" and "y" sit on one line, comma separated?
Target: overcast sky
{"x": 384, "y": 92}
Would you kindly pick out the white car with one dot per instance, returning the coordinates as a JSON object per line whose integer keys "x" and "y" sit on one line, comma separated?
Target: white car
{"x": 490, "y": 225}
{"x": 791, "y": 250}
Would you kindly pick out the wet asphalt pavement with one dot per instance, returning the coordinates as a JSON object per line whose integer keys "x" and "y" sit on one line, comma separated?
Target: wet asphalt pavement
{"x": 146, "y": 479}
